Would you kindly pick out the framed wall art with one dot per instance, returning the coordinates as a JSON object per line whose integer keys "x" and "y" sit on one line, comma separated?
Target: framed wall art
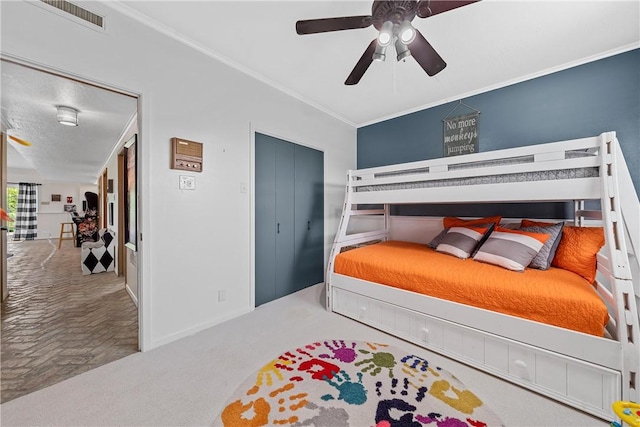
{"x": 131, "y": 194}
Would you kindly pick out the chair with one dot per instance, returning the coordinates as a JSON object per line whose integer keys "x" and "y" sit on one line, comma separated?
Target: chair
{"x": 100, "y": 256}
{"x": 87, "y": 225}
{"x": 67, "y": 232}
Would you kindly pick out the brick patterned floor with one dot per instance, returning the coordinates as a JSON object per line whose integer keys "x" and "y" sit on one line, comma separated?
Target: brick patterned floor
{"x": 57, "y": 323}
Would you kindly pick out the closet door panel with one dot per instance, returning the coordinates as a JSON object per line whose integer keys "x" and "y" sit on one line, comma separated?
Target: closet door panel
{"x": 285, "y": 218}
{"x": 265, "y": 219}
{"x": 309, "y": 216}
{"x": 316, "y": 235}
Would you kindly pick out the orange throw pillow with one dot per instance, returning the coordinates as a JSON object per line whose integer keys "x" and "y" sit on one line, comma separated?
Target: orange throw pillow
{"x": 529, "y": 223}
{"x": 451, "y": 221}
{"x": 578, "y": 249}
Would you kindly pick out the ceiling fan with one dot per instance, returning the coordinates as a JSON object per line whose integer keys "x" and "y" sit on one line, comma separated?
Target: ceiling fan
{"x": 392, "y": 19}
{"x": 20, "y": 141}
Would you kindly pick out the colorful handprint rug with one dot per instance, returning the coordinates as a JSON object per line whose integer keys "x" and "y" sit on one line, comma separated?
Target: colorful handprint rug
{"x": 354, "y": 383}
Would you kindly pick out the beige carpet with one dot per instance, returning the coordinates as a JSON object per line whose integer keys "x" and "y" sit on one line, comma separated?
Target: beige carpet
{"x": 188, "y": 382}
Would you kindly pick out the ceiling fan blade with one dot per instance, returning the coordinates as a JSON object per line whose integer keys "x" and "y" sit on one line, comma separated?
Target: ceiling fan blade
{"x": 20, "y": 141}
{"x": 363, "y": 64}
{"x": 5, "y": 216}
{"x": 428, "y": 8}
{"x": 426, "y": 55}
{"x": 313, "y": 26}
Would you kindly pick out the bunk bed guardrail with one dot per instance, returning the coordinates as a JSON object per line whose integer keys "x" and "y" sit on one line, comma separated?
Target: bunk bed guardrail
{"x": 582, "y": 169}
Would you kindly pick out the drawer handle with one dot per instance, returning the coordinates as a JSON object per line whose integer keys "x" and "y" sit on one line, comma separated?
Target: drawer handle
{"x": 425, "y": 334}
{"x": 363, "y": 310}
{"x": 523, "y": 369}
{"x": 520, "y": 364}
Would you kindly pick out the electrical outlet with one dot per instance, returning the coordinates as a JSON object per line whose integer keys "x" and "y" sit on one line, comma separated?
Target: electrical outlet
{"x": 222, "y": 295}
{"x": 243, "y": 187}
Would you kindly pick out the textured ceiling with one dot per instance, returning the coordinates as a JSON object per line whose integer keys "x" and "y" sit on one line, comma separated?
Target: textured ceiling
{"x": 60, "y": 153}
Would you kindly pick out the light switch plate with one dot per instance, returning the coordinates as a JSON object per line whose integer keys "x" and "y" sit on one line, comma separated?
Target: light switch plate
{"x": 187, "y": 182}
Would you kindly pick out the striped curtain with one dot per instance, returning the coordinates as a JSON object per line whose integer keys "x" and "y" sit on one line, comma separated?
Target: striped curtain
{"x": 26, "y": 226}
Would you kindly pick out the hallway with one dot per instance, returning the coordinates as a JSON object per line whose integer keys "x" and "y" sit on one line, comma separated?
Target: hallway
{"x": 57, "y": 323}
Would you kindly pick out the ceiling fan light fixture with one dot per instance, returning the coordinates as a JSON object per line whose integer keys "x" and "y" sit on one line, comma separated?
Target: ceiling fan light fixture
{"x": 392, "y": 20}
{"x": 402, "y": 50}
{"x": 386, "y": 34}
{"x": 67, "y": 116}
{"x": 380, "y": 54}
{"x": 406, "y": 32}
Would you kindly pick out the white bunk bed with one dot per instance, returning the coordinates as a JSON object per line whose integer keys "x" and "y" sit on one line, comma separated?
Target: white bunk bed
{"x": 584, "y": 371}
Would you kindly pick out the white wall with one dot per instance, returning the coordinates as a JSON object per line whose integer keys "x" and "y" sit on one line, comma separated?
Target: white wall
{"x": 193, "y": 242}
{"x": 50, "y": 213}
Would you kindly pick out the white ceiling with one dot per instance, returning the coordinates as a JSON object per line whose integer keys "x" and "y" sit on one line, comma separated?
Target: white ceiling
{"x": 486, "y": 45}
{"x": 60, "y": 153}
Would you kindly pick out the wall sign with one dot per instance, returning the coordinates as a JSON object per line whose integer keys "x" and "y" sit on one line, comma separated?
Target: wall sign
{"x": 461, "y": 134}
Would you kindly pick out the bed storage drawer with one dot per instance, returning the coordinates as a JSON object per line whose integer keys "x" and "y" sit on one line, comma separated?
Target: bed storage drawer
{"x": 581, "y": 384}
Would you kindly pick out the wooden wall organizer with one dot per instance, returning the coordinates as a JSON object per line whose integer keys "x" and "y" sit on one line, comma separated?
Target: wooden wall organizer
{"x": 186, "y": 155}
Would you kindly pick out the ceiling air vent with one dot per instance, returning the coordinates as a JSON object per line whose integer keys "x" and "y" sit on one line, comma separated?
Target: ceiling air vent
{"x": 86, "y": 16}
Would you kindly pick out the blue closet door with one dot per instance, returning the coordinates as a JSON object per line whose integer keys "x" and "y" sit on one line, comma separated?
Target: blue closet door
{"x": 309, "y": 217}
{"x": 265, "y": 218}
{"x": 289, "y": 218}
{"x": 285, "y": 218}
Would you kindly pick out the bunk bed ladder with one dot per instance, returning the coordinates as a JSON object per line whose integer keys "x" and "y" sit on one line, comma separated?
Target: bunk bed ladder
{"x": 342, "y": 239}
{"x": 621, "y": 219}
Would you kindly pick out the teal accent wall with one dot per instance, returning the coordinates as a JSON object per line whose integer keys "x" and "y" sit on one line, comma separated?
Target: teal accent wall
{"x": 579, "y": 102}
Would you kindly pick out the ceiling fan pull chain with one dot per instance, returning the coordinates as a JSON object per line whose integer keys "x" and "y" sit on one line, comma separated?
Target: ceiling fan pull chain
{"x": 393, "y": 71}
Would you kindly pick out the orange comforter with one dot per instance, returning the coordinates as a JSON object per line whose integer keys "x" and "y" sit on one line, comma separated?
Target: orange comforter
{"x": 555, "y": 296}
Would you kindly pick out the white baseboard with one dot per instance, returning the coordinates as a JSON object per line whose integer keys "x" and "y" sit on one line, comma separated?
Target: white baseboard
{"x": 131, "y": 294}
{"x": 191, "y": 331}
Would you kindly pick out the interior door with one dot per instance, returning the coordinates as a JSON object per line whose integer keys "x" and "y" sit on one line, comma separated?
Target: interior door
{"x": 274, "y": 218}
{"x": 265, "y": 219}
{"x": 285, "y": 219}
{"x": 309, "y": 213}
{"x": 103, "y": 197}
{"x": 289, "y": 218}
{"x": 4, "y": 293}
{"x": 121, "y": 252}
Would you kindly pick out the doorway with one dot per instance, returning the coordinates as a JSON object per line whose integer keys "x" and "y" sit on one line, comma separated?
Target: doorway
{"x": 57, "y": 322}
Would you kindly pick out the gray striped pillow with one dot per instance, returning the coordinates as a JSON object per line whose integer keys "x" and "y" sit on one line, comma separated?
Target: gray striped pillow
{"x": 438, "y": 239}
{"x": 461, "y": 241}
{"x": 542, "y": 260}
{"x": 512, "y": 250}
